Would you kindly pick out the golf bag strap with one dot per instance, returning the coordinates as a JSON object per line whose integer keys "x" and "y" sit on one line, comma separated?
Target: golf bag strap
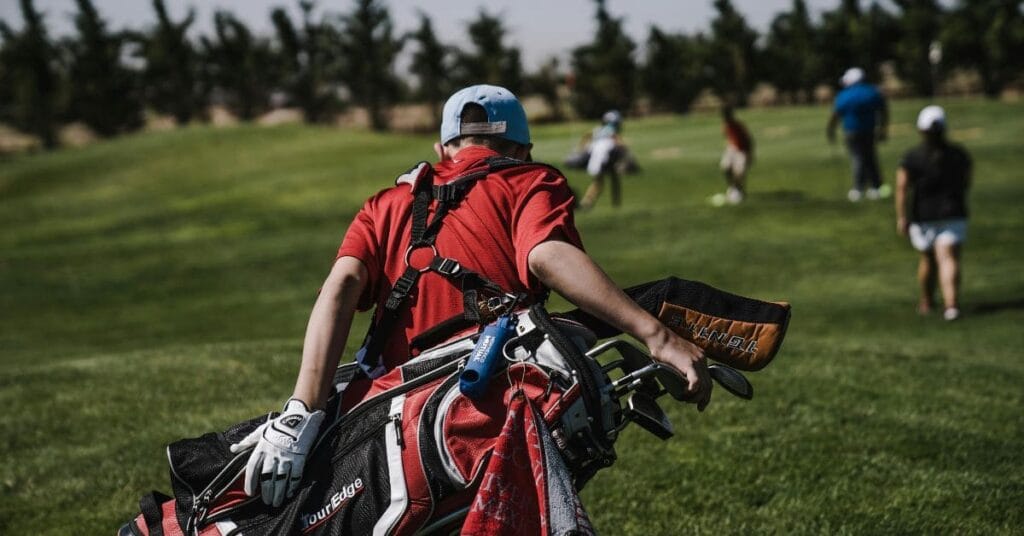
{"x": 423, "y": 235}
{"x": 152, "y": 512}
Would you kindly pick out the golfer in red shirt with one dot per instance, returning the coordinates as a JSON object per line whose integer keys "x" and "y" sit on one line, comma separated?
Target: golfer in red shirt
{"x": 514, "y": 227}
{"x": 737, "y": 157}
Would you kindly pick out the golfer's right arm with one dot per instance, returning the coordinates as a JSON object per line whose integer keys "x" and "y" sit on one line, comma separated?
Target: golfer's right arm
{"x": 278, "y": 447}
{"x": 569, "y": 271}
{"x": 328, "y": 330}
{"x": 830, "y": 129}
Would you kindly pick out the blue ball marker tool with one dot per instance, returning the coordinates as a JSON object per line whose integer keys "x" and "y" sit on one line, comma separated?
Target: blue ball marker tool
{"x": 487, "y": 356}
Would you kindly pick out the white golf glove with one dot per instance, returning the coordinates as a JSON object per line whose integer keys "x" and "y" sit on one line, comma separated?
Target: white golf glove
{"x": 281, "y": 445}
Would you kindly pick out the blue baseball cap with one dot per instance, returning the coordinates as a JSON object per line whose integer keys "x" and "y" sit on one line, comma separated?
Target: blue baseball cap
{"x": 505, "y": 115}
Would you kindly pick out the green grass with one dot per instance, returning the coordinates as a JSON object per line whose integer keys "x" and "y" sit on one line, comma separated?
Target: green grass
{"x": 157, "y": 287}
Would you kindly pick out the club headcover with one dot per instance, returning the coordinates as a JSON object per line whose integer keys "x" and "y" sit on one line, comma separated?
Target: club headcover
{"x": 741, "y": 332}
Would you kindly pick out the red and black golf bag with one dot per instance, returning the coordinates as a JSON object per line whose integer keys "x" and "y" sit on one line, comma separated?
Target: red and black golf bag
{"x": 409, "y": 453}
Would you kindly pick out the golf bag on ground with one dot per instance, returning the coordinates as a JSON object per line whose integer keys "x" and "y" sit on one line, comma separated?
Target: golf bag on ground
{"x": 409, "y": 453}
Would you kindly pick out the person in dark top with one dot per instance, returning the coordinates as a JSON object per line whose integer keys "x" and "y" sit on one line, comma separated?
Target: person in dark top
{"x": 865, "y": 117}
{"x": 931, "y": 207}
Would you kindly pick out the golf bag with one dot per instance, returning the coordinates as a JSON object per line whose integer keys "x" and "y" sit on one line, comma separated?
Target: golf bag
{"x": 408, "y": 453}
{"x": 624, "y": 161}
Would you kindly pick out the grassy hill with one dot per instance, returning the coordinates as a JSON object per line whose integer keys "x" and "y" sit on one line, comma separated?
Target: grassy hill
{"x": 157, "y": 287}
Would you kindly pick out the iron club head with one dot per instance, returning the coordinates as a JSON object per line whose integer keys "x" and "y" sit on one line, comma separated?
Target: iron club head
{"x": 732, "y": 380}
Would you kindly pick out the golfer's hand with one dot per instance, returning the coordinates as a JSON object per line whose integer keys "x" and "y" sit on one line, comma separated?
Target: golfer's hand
{"x": 688, "y": 359}
{"x": 280, "y": 447}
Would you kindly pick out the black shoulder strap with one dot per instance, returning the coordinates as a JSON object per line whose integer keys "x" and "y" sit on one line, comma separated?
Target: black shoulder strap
{"x": 423, "y": 235}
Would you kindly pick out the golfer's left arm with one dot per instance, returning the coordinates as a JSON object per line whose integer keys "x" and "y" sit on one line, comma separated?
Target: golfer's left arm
{"x": 569, "y": 271}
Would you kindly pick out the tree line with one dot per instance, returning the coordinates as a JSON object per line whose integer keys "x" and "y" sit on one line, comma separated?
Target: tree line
{"x": 322, "y": 62}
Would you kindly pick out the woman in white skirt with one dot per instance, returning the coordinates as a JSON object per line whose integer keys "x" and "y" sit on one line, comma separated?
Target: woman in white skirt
{"x": 931, "y": 207}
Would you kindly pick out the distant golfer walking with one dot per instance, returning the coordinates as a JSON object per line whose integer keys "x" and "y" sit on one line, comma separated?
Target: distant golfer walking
{"x": 931, "y": 207}
{"x": 738, "y": 156}
{"x": 865, "y": 116}
{"x": 605, "y": 151}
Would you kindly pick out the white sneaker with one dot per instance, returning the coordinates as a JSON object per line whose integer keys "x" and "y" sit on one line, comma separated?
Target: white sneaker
{"x": 951, "y": 313}
{"x": 734, "y": 196}
{"x": 854, "y": 195}
{"x": 872, "y": 194}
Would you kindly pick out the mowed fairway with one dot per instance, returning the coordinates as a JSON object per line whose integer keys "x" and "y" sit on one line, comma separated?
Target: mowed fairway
{"x": 157, "y": 287}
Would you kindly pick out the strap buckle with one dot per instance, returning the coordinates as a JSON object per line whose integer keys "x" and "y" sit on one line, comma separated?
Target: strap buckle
{"x": 505, "y": 303}
{"x": 403, "y": 286}
{"x": 445, "y": 266}
{"x": 447, "y": 193}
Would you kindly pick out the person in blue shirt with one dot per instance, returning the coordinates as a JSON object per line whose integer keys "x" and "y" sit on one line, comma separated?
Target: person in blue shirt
{"x": 865, "y": 117}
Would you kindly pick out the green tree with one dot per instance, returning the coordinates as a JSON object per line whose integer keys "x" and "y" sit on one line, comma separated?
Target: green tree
{"x": 239, "y": 67}
{"x": 882, "y": 33}
{"x": 6, "y": 79}
{"x": 431, "y": 63}
{"x": 988, "y": 36}
{"x": 490, "y": 61}
{"x": 31, "y": 77}
{"x": 370, "y": 47}
{"x": 733, "y": 54}
{"x": 309, "y": 63}
{"x": 920, "y": 23}
{"x": 546, "y": 82}
{"x": 790, "y": 58}
{"x": 672, "y": 74}
{"x": 604, "y": 70}
{"x": 835, "y": 41}
{"x": 850, "y": 37}
{"x": 170, "y": 77}
{"x": 102, "y": 92}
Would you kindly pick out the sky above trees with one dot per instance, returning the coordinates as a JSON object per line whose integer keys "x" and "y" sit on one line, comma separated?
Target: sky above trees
{"x": 540, "y": 28}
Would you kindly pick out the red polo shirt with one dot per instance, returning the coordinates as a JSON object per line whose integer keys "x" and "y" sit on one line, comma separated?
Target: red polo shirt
{"x": 737, "y": 135}
{"x": 491, "y": 231}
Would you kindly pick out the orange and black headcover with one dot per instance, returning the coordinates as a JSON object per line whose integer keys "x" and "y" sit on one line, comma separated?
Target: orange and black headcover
{"x": 741, "y": 332}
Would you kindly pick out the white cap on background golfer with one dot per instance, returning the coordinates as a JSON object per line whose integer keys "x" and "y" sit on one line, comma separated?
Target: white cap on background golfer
{"x": 852, "y": 76}
{"x": 931, "y": 117}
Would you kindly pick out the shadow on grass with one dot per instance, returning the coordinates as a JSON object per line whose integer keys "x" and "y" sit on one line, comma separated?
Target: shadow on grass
{"x": 996, "y": 306}
{"x": 782, "y": 196}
